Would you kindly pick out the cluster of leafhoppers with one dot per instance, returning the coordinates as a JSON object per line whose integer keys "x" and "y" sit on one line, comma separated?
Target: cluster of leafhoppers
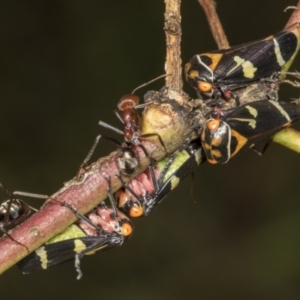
{"x": 219, "y": 76}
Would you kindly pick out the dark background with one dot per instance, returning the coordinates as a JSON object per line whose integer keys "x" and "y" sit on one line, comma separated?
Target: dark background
{"x": 63, "y": 67}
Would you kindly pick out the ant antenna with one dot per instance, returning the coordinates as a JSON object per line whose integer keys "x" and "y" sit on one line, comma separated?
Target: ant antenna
{"x": 146, "y": 83}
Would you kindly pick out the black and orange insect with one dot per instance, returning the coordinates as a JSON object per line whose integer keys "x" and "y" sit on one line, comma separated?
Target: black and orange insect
{"x": 244, "y": 127}
{"x": 218, "y": 73}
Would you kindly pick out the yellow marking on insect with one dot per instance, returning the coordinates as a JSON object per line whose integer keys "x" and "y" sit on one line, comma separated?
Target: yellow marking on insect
{"x": 206, "y": 145}
{"x": 241, "y": 142}
{"x": 193, "y": 74}
{"x": 95, "y": 250}
{"x": 252, "y": 111}
{"x": 281, "y": 110}
{"x": 279, "y": 57}
{"x": 251, "y": 122}
{"x": 247, "y": 66}
{"x": 79, "y": 246}
{"x": 174, "y": 182}
{"x": 187, "y": 67}
{"x": 211, "y": 161}
{"x": 179, "y": 160}
{"x": 216, "y": 141}
{"x": 228, "y": 146}
{"x": 215, "y": 58}
{"x": 295, "y": 29}
{"x": 216, "y": 154}
{"x": 198, "y": 157}
{"x": 271, "y": 37}
{"x": 42, "y": 254}
{"x": 71, "y": 232}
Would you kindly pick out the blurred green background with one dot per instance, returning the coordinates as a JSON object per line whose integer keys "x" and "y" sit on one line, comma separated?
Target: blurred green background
{"x": 63, "y": 67}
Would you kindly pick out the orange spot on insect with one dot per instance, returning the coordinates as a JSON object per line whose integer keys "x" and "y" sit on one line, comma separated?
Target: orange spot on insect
{"x": 126, "y": 229}
{"x": 213, "y": 125}
{"x": 121, "y": 198}
{"x": 206, "y": 146}
{"x": 212, "y": 161}
{"x": 192, "y": 73}
{"x": 136, "y": 211}
{"x": 204, "y": 86}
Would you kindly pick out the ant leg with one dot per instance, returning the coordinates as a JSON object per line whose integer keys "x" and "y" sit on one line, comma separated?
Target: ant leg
{"x": 88, "y": 157}
{"x": 166, "y": 168}
{"x": 111, "y": 198}
{"x": 76, "y": 212}
{"x": 153, "y": 177}
{"x": 159, "y": 138}
{"x": 106, "y": 125}
{"x": 127, "y": 186}
{"x": 261, "y": 152}
{"x": 80, "y": 216}
{"x": 6, "y": 233}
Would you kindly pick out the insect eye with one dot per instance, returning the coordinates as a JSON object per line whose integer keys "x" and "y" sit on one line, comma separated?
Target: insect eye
{"x": 136, "y": 211}
{"x": 126, "y": 229}
{"x": 213, "y": 125}
{"x": 204, "y": 86}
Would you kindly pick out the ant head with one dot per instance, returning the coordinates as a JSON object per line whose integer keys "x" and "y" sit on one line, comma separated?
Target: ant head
{"x": 128, "y": 101}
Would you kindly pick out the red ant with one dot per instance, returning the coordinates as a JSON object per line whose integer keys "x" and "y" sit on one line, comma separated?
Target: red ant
{"x": 127, "y": 113}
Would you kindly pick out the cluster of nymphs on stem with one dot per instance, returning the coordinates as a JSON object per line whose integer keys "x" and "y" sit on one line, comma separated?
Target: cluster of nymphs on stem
{"x": 247, "y": 76}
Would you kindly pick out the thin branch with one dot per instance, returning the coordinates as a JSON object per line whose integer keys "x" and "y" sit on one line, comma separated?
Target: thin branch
{"x": 289, "y": 138}
{"x": 209, "y": 7}
{"x": 173, "y": 39}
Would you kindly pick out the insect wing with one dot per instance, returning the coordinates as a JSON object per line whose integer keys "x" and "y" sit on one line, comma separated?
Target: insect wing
{"x": 184, "y": 164}
{"x": 246, "y": 62}
{"x": 256, "y": 59}
{"x": 261, "y": 119}
{"x": 57, "y": 253}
